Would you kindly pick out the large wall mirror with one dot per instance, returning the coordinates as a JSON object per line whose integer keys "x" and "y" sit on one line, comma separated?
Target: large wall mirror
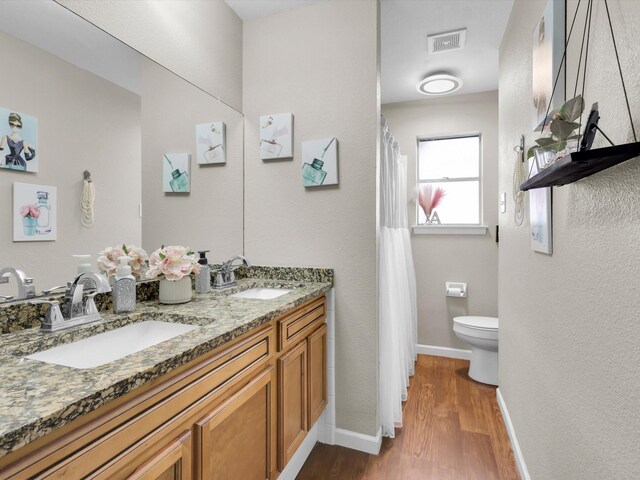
{"x": 75, "y": 99}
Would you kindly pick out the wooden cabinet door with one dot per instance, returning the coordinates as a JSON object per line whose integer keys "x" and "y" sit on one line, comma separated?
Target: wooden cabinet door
{"x": 172, "y": 463}
{"x": 144, "y": 462}
{"x": 292, "y": 402}
{"x": 237, "y": 439}
{"x": 317, "y": 378}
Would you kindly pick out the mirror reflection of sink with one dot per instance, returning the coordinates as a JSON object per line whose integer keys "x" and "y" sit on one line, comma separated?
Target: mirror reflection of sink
{"x": 262, "y": 293}
{"x": 109, "y": 346}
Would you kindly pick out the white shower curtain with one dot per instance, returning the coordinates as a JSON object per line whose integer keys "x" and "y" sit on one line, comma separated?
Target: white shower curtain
{"x": 397, "y": 285}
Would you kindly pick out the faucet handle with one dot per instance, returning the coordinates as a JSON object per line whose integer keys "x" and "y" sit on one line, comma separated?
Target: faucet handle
{"x": 49, "y": 291}
{"x": 90, "y": 304}
{"x": 53, "y": 317}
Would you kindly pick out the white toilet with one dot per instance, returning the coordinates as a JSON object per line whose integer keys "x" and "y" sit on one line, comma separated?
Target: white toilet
{"x": 482, "y": 334}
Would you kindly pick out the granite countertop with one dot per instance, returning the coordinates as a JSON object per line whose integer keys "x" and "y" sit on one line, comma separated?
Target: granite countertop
{"x": 36, "y": 397}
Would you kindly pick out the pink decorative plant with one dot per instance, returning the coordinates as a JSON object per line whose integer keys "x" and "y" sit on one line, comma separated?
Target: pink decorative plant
{"x": 30, "y": 211}
{"x": 429, "y": 199}
{"x": 173, "y": 263}
{"x": 108, "y": 260}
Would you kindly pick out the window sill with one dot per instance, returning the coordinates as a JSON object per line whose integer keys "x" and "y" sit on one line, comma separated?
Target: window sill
{"x": 450, "y": 229}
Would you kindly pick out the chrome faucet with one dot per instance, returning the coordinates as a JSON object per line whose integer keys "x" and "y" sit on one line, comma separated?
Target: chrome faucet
{"x": 225, "y": 276}
{"x": 74, "y": 312}
{"x": 25, "y": 284}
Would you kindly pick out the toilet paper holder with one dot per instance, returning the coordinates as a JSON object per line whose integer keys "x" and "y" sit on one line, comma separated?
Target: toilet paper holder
{"x": 456, "y": 289}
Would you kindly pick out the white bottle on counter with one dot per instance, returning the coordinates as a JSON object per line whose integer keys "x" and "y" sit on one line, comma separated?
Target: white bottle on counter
{"x": 124, "y": 288}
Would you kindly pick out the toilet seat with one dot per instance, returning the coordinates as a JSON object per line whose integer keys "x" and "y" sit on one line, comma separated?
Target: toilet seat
{"x": 477, "y": 327}
{"x": 479, "y": 323}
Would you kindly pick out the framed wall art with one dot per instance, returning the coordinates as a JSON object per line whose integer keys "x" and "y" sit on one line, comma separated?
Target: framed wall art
{"x": 211, "y": 145}
{"x": 276, "y": 136}
{"x": 18, "y": 141}
{"x": 548, "y": 49}
{"x": 34, "y": 212}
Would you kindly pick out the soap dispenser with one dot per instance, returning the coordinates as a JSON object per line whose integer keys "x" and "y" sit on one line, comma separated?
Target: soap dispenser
{"x": 124, "y": 288}
{"x": 203, "y": 279}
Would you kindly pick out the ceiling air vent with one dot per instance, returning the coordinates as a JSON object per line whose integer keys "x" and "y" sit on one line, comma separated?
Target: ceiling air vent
{"x": 445, "y": 42}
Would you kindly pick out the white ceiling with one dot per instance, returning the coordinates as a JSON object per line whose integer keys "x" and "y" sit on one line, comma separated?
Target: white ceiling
{"x": 405, "y": 25}
{"x": 248, "y": 9}
{"x": 405, "y": 61}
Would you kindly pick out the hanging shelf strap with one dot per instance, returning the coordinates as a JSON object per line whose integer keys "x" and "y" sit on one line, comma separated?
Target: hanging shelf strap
{"x": 585, "y": 48}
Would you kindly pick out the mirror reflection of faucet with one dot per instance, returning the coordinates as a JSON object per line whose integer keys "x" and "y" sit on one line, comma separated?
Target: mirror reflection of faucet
{"x": 26, "y": 288}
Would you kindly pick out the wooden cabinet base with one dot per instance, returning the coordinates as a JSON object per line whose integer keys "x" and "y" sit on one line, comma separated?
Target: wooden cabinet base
{"x": 237, "y": 439}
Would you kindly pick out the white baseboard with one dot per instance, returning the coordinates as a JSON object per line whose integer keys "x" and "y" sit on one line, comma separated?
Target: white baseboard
{"x": 359, "y": 441}
{"x": 522, "y": 467}
{"x": 444, "y": 351}
{"x": 296, "y": 463}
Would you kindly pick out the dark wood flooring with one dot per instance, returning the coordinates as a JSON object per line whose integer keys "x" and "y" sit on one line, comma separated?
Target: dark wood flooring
{"x": 453, "y": 429}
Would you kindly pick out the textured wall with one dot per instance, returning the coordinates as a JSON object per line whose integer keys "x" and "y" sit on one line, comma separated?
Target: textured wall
{"x": 210, "y": 217}
{"x": 569, "y": 331}
{"x": 200, "y": 40}
{"x": 84, "y": 123}
{"x": 461, "y": 258}
{"x": 320, "y": 62}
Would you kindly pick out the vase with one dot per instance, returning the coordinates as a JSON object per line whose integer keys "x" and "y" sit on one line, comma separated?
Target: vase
{"x": 29, "y": 225}
{"x": 175, "y": 291}
{"x": 550, "y": 154}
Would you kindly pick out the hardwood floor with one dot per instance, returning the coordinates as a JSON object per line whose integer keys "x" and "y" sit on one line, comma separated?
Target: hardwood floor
{"x": 452, "y": 429}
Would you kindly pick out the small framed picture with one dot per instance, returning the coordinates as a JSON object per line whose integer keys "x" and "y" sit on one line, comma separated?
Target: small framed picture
{"x": 211, "y": 145}
{"x": 18, "y": 141}
{"x": 276, "y": 136}
{"x": 176, "y": 172}
{"x": 540, "y": 216}
{"x": 320, "y": 162}
{"x": 34, "y": 212}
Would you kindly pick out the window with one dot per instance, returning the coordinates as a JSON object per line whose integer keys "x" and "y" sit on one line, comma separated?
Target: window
{"x": 453, "y": 165}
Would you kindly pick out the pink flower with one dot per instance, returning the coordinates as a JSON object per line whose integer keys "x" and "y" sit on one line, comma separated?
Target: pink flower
{"x": 109, "y": 259}
{"x": 31, "y": 211}
{"x": 173, "y": 262}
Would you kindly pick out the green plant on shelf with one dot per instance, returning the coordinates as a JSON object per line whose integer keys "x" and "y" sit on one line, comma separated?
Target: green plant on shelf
{"x": 563, "y": 138}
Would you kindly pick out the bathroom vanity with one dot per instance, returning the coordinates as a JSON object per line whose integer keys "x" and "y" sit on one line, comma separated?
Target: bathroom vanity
{"x": 233, "y": 398}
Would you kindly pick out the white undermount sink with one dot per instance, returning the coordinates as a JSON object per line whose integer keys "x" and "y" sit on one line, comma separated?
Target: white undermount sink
{"x": 109, "y": 346}
{"x": 262, "y": 293}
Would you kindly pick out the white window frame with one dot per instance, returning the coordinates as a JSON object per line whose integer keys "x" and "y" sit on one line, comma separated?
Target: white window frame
{"x": 451, "y": 228}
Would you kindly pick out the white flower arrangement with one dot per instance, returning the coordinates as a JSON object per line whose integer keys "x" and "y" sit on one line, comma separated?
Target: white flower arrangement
{"x": 173, "y": 263}
{"x": 108, "y": 260}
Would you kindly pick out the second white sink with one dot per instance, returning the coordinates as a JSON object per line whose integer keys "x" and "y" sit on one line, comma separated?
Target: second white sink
{"x": 262, "y": 293}
{"x": 109, "y": 346}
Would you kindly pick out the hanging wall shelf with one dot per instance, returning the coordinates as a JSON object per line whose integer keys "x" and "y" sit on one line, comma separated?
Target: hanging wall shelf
{"x": 579, "y": 165}
{"x": 586, "y": 161}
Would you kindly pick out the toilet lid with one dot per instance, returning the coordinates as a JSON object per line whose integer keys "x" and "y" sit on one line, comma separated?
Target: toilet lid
{"x": 481, "y": 323}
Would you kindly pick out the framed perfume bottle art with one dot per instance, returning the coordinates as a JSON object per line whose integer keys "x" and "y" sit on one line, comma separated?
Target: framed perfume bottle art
{"x": 211, "y": 145}
{"x": 34, "y": 212}
{"x": 276, "y": 136}
{"x": 320, "y": 162}
{"x": 176, "y": 173}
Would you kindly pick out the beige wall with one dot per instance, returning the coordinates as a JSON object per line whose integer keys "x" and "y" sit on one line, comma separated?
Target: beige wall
{"x": 320, "y": 62}
{"x": 84, "y": 123}
{"x": 459, "y": 258}
{"x": 210, "y": 217}
{"x": 569, "y": 331}
{"x": 200, "y": 40}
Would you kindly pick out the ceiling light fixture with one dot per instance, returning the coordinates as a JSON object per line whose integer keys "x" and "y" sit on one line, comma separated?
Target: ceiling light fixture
{"x": 440, "y": 84}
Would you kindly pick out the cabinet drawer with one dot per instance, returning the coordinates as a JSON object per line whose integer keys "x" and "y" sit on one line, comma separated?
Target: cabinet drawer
{"x": 186, "y": 394}
{"x": 297, "y": 325}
